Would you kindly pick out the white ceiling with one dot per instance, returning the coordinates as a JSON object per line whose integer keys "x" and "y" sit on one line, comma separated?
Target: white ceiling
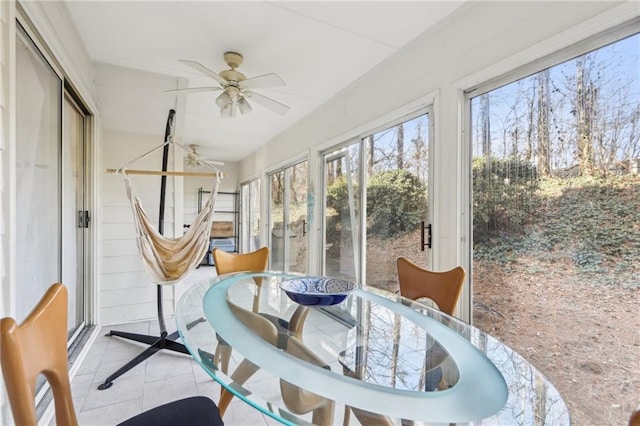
{"x": 318, "y": 48}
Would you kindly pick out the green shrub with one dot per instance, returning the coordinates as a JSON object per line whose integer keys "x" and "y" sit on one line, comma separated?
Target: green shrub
{"x": 338, "y": 196}
{"x": 503, "y": 195}
{"x": 396, "y": 203}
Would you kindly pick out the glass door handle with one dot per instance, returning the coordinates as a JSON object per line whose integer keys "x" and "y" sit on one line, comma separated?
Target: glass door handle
{"x": 304, "y": 227}
{"x": 83, "y": 219}
{"x": 425, "y": 241}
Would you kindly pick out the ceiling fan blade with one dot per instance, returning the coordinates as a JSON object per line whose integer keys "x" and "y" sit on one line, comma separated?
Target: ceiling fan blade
{"x": 206, "y": 71}
{"x": 274, "y": 106}
{"x": 194, "y": 89}
{"x": 262, "y": 81}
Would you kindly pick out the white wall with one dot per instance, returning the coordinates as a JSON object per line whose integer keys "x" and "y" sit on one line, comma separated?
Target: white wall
{"x": 480, "y": 41}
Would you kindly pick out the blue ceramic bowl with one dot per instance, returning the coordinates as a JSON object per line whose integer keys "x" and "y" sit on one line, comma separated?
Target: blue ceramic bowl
{"x": 317, "y": 291}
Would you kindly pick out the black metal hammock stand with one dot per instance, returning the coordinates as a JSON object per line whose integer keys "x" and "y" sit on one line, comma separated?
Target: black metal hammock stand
{"x": 164, "y": 340}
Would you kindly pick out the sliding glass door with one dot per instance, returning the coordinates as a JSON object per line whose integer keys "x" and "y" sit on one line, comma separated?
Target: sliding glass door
{"x": 288, "y": 218}
{"x": 75, "y": 211}
{"x": 51, "y": 224}
{"x": 342, "y": 211}
{"x": 376, "y": 205}
{"x": 250, "y": 216}
{"x": 397, "y": 222}
{"x": 38, "y": 175}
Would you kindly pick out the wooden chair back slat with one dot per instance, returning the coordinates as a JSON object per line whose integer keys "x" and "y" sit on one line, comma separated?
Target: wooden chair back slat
{"x": 444, "y": 288}
{"x": 38, "y": 346}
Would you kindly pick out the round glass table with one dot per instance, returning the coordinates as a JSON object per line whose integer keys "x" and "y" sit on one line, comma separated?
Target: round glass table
{"x": 375, "y": 358}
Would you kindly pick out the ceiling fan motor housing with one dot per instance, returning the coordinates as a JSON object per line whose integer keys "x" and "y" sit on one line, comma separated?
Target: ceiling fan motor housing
{"x": 232, "y": 76}
{"x": 233, "y": 59}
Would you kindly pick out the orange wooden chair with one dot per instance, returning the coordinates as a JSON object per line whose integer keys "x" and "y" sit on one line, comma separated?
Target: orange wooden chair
{"x": 226, "y": 263}
{"x": 255, "y": 261}
{"x": 444, "y": 288}
{"x": 635, "y": 418}
{"x": 39, "y": 345}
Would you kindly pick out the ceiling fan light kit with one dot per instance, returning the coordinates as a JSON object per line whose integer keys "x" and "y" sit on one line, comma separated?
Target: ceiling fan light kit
{"x": 236, "y": 88}
{"x": 244, "y": 106}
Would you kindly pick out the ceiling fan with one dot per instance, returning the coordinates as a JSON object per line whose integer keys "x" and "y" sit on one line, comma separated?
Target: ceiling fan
{"x": 236, "y": 88}
{"x": 193, "y": 156}
{"x": 194, "y": 159}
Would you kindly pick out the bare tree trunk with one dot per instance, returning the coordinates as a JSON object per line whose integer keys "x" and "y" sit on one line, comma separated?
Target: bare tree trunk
{"x": 421, "y": 155}
{"x": 370, "y": 145}
{"x": 540, "y": 404}
{"x": 633, "y": 145}
{"x": 584, "y": 115}
{"x": 486, "y": 126}
{"x": 530, "y": 126}
{"x": 400, "y": 147}
{"x": 293, "y": 196}
{"x": 331, "y": 172}
{"x": 543, "y": 123}
{"x": 277, "y": 188}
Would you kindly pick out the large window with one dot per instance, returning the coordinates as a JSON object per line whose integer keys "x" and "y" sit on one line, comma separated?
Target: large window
{"x": 556, "y": 241}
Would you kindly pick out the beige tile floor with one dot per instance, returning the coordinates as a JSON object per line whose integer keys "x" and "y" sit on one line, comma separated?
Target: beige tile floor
{"x": 164, "y": 377}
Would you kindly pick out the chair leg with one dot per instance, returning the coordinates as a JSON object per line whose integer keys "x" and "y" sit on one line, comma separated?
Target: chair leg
{"x": 222, "y": 357}
{"x": 443, "y": 384}
{"x": 347, "y": 415}
{"x": 323, "y": 415}
{"x": 245, "y": 370}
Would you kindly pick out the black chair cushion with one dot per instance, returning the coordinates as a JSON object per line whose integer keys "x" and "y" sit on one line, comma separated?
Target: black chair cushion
{"x": 192, "y": 411}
